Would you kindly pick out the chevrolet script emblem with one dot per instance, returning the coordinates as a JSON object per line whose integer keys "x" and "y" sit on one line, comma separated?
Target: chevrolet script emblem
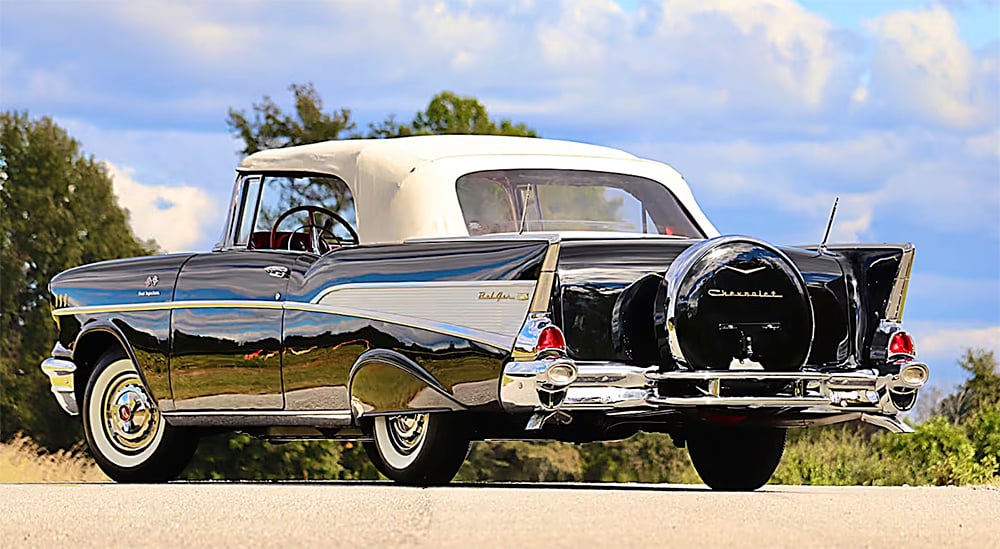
{"x": 715, "y": 292}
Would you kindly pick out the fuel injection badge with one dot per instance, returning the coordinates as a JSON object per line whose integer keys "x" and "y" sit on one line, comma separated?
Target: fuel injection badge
{"x": 151, "y": 282}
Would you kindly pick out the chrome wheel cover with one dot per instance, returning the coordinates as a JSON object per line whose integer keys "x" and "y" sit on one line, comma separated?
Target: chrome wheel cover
{"x": 130, "y": 418}
{"x": 407, "y": 433}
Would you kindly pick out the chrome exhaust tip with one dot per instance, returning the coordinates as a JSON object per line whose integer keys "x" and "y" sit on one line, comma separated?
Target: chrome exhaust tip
{"x": 560, "y": 374}
{"x": 912, "y": 375}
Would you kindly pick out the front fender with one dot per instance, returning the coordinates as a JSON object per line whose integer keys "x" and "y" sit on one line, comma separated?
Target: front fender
{"x": 385, "y": 382}
{"x": 93, "y": 340}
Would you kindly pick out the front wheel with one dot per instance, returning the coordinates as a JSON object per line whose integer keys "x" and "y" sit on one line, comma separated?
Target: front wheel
{"x": 737, "y": 459}
{"x": 126, "y": 433}
{"x": 418, "y": 449}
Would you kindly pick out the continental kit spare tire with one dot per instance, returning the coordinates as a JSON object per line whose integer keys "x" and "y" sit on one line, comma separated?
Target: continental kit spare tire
{"x": 734, "y": 302}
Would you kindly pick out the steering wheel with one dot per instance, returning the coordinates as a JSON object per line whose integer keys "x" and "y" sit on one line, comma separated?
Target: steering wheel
{"x": 314, "y": 230}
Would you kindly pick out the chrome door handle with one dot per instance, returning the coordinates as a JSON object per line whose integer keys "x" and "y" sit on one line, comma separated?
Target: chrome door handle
{"x": 276, "y": 271}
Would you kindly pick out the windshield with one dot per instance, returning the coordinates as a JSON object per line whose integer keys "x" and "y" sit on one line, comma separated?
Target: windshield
{"x": 509, "y": 201}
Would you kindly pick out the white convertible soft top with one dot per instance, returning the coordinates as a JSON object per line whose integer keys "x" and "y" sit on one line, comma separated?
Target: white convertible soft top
{"x": 404, "y": 188}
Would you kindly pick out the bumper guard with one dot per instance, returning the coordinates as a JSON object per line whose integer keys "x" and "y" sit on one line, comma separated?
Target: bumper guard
{"x": 60, "y": 371}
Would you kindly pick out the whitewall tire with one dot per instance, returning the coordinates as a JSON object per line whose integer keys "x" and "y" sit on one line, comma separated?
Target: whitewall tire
{"x": 126, "y": 434}
{"x": 419, "y": 449}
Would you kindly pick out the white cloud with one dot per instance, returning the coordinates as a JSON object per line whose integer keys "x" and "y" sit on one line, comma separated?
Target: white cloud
{"x": 796, "y": 46}
{"x": 675, "y": 62}
{"x": 953, "y": 341}
{"x": 921, "y": 180}
{"x": 176, "y": 217}
{"x": 760, "y": 103}
{"x": 185, "y": 25}
{"x": 922, "y": 69}
{"x": 942, "y": 345}
{"x": 715, "y": 66}
{"x": 986, "y": 145}
{"x": 168, "y": 159}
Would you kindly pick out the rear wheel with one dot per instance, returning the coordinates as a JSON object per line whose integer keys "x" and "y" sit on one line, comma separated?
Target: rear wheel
{"x": 126, "y": 433}
{"x": 418, "y": 449}
{"x": 735, "y": 458}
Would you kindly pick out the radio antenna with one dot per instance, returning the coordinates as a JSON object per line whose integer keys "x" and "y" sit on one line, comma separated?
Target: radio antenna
{"x": 829, "y": 225}
{"x": 524, "y": 211}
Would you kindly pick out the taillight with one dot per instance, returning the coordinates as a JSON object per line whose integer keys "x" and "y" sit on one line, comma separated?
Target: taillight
{"x": 901, "y": 344}
{"x": 550, "y": 338}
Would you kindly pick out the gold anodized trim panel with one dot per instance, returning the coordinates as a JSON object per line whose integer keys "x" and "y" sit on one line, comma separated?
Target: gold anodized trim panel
{"x": 546, "y": 280}
{"x": 897, "y": 296}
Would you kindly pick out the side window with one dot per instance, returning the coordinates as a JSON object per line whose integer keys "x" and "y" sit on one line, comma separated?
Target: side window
{"x": 267, "y": 198}
{"x": 261, "y": 201}
{"x": 248, "y": 209}
{"x": 281, "y": 193}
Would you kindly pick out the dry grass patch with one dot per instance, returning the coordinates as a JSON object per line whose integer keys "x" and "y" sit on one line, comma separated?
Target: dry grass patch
{"x": 21, "y": 460}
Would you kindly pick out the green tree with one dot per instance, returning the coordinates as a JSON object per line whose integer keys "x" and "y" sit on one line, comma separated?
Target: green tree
{"x": 979, "y": 391}
{"x": 508, "y": 461}
{"x": 939, "y": 452}
{"x": 241, "y": 457}
{"x": 450, "y": 113}
{"x": 646, "y": 457}
{"x": 59, "y": 211}
{"x": 271, "y": 128}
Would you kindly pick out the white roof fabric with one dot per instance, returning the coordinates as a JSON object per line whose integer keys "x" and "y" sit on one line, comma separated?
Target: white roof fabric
{"x": 404, "y": 188}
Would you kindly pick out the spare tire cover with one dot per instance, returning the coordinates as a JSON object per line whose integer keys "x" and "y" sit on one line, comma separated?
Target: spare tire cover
{"x": 734, "y": 302}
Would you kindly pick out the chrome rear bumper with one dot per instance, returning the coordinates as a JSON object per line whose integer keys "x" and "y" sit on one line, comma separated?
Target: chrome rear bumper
{"x": 811, "y": 396}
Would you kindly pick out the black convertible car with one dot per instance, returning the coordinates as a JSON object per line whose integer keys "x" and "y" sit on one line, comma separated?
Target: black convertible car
{"x": 422, "y": 293}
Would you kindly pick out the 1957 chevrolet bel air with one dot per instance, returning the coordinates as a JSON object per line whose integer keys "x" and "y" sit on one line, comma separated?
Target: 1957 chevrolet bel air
{"x": 421, "y": 293}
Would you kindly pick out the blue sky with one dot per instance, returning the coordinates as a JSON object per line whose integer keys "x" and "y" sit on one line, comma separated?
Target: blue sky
{"x": 770, "y": 108}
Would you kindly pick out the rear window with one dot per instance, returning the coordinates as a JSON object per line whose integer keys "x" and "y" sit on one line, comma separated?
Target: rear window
{"x": 510, "y": 201}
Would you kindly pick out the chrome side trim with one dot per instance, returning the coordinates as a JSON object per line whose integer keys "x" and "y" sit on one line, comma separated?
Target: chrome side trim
{"x": 492, "y": 339}
{"x": 168, "y": 305}
{"x": 60, "y": 373}
{"x": 509, "y": 284}
{"x": 897, "y": 297}
{"x": 319, "y": 414}
{"x": 500, "y": 341}
{"x": 249, "y": 418}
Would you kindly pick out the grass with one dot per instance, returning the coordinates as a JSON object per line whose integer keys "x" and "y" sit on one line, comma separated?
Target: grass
{"x": 21, "y": 460}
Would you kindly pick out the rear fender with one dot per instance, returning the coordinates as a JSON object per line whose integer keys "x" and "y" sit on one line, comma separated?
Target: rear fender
{"x": 878, "y": 279}
{"x": 384, "y": 382}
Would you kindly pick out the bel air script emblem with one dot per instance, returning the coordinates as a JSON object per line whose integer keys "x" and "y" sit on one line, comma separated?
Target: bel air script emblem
{"x": 715, "y": 292}
{"x": 503, "y": 296}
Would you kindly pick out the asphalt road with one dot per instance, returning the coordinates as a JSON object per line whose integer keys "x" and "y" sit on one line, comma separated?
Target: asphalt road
{"x": 284, "y": 515}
